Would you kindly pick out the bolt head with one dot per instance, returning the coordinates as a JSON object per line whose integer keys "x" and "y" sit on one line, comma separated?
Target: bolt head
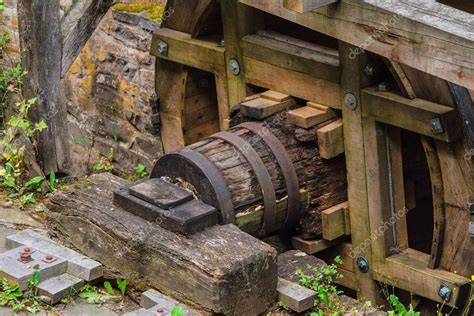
{"x": 362, "y": 264}
{"x": 350, "y": 100}
{"x": 26, "y": 250}
{"x": 382, "y": 87}
{"x": 369, "y": 71}
{"x": 471, "y": 229}
{"x": 436, "y": 126}
{"x": 470, "y": 206}
{"x": 234, "y": 67}
{"x": 162, "y": 48}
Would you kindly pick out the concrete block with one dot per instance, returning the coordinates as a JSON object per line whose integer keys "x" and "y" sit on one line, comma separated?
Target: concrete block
{"x": 140, "y": 312}
{"x": 295, "y": 296}
{"x": 60, "y": 286}
{"x": 77, "y": 264}
{"x": 160, "y": 304}
{"x": 17, "y": 272}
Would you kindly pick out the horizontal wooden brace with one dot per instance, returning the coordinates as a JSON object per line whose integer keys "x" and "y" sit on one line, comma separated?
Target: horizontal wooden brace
{"x": 409, "y": 271}
{"x": 291, "y": 82}
{"x": 302, "y": 6}
{"x": 183, "y": 49}
{"x": 293, "y": 54}
{"x": 415, "y": 115}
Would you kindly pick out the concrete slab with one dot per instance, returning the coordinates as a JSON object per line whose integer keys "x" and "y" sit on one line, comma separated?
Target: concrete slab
{"x": 4, "y": 232}
{"x": 78, "y": 265}
{"x": 15, "y": 216}
{"x": 14, "y": 270}
{"x": 60, "y": 286}
{"x": 83, "y": 309}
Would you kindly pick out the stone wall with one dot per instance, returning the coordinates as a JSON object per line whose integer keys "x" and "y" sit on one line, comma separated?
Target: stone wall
{"x": 108, "y": 89}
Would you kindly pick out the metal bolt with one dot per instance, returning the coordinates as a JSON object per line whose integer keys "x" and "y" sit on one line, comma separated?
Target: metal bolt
{"x": 382, "y": 87}
{"x": 221, "y": 44}
{"x": 162, "y": 48}
{"x": 160, "y": 310}
{"x": 436, "y": 126}
{"x": 369, "y": 71}
{"x": 49, "y": 257}
{"x": 234, "y": 67}
{"x": 25, "y": 257}
{"x": 445, "y": 292}
{"x": 26, "y": 250}
{"x": 470, "y": 206}
{"x": 350, "y": 100}
{"x": 471, "y": 229}
{"x": 363, "y": 264}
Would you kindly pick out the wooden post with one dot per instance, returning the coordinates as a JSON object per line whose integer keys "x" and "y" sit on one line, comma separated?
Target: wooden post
{"x": 352, "y": 81}
{"x": 238, "y": 20}
{"x": 40, "y": 42}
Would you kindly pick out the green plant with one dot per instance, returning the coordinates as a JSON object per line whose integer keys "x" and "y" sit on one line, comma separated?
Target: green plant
{"x": 468, "y": 305}
{"x": 90, "y": 293}
{"x": 122, "y": 285}
{"x": 140, "y": 171}
{"x": 322, "y": 280}
{"x": 399, "y": 309}
{"x": 108, "y": 287}
{"x": 177, "y": 311}
{"x": 106, "y": 163}
{"x": 12, "y": 296}
{"x": 52, "y": 181}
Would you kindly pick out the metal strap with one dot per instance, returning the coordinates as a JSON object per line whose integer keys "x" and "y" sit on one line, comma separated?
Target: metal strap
{"x": 215, "y": 178}
{"x": 294, "y": 209}
{"x": 263, "y": 177}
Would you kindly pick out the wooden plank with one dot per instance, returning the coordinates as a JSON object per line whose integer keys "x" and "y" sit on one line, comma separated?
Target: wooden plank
{"x": 261, "y": 108}
{"x": 402, "y": 80}
{"x": 199, "y": 109}
{"x": 398, "y": 183}
{"x": 183, "y": 49}
{"x": 290, "y": 53}
{"x": 237, "y": 21}
{"x": 313, "y": 246}
{"x": 197, "y": 133}
{"x": 275, "y": 96}
{"x": 171, "y": 132}
{"x": 39, "y": 25}
{"x": 429, "y": 49}
{"x": 318, "y": 106}
{"x": 334, "y": 221}
{"x": 302, "y": 6}
{"x": 352, "y": 81}
{"x": 77, "y": 27}
{"x": 291, "y": 82}
{"x": 410, "y": 272}
{"x": 331, "y": 139}
{"x": 413, "y": 115}
{"x": 223, "y": 105}
{"x": 307, "y": 117}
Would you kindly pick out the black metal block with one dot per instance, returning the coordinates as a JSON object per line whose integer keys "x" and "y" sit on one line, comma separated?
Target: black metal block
{"x": 187, "y": 218}
{"x": 160, "y": 193}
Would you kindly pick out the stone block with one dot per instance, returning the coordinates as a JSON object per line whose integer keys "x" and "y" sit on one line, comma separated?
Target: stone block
{"x": 160, "y": 193}
{"x": 77, "y": 265}
{"x": 54, "y": 289}
{"x": 295, "y": 296}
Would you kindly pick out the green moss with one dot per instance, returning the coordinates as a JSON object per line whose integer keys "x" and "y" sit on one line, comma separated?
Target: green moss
{"x": 153, "y": 11}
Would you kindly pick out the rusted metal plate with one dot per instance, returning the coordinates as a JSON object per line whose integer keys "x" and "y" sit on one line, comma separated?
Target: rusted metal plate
{"x": 262, "y": 175}
{"x": 214, "y": 189}
{"x": 294, "y": 209}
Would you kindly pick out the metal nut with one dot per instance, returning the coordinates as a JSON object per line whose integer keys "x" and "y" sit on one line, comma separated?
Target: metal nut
{"x": 369, "y": 71}
{"x": 436, "y": 126}
{"x": 382, "y": 87}
{"x": 470, "y": 206}
{"x": 445, "y": 292}
{"x": 350, "y": 100}
{"x": 162, "y": 48}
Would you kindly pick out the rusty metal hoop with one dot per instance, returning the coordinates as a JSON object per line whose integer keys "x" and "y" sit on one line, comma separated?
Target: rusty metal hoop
{"x": 262, "y": 175}
{"x": 294, "y": 209}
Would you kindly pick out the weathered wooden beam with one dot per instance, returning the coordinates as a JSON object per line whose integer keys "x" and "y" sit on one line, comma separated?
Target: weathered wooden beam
{"x": 336, "y": 221}
{"x": 302, "y": 6}
{"x": 352, "y": 80}
{"x": 415, "y": 115}
{"x": 183, "y": 49}
{"x": 429, "y": 49}
{"x": 77, "y": 27}
{"x": 409, "y": 271}
{"x": 292, "y": 82}
{"x": 313, "y": 246}
{"x": 40, "y": 42}
{"x": 290, "y": 53}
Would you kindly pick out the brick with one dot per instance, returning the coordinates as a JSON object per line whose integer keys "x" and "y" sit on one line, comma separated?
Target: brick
{"x": 295, "y": 296}
{"x": 77, "y": 265}
{"x": 59, "y": 286}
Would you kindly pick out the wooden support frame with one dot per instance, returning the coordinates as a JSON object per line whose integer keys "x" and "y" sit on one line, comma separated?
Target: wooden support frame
{"x": 415, "y": 115}
{"x": 183, "y": 49}
{"x": 390, "y": 34}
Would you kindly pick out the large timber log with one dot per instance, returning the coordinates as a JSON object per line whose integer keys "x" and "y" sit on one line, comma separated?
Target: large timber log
{"x": 252, "y": 166}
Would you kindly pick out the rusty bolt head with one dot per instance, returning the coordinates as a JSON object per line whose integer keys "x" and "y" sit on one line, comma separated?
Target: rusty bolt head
{"x": 25, "y": 257}
{"x": 160, "y": 310}
{"x": 49, "y": 258}
{"x": 26, "y": 250}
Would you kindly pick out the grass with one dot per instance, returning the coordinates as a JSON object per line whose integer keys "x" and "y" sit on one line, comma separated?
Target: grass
{"x": 153, "y": 11}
